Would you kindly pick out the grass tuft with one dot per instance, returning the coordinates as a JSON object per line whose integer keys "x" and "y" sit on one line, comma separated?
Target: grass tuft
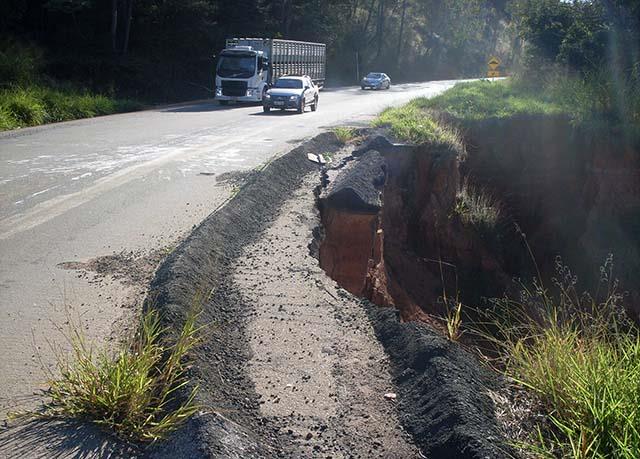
{"x": 453, "y": 320}
{"x": 580, "y": 356}
{"x": 477, "y": 207}
{"x": 413, "y": 123}
{"x": 134, "y": 392}
{"x": 345, "y": 134}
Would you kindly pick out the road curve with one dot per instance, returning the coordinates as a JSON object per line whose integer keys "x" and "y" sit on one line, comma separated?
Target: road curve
{"x": 74, "y": 191}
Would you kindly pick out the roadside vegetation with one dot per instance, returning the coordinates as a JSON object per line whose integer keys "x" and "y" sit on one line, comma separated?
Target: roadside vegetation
{"x": 28, "y": 99}
{"x": 23, "y": 106}
{"x": 345, "y": 134}
{"x": 579, "y": 357}
{"x": 415, "y": 124}
{"x": 136, "y": 392}
{"x": 490, "y": 99}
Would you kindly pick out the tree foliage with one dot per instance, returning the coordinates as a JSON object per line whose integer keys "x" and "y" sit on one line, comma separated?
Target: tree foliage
{"x": 164, "y": 48}
{"x": 582, "y": 35}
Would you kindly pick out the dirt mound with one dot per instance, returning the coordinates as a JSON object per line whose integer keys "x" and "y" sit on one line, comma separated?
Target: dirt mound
{"x": 358, "y": 186}
{"x": 444, "y": 392}
{"x": 199, "y": 268}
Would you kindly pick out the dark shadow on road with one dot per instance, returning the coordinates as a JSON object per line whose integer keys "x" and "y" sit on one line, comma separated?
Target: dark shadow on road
{"x": 61, "y": 439}
{"x": 278, "y": 112}
{"x": 205, "y": 107}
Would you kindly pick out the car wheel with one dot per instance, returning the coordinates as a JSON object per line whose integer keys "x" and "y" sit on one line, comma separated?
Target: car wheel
{"x": 362, "y": 87}
{"x": 223, "y": 102}
{"x": 266, "y": 109}
{"x": 314, "y": 107}
{"x": 301, "y": 106}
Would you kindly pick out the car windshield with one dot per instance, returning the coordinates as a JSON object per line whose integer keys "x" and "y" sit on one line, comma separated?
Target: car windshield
{"x": 374, "y": 76}
{"x": 288, "y": 83}
{"x": 237, "y": 66}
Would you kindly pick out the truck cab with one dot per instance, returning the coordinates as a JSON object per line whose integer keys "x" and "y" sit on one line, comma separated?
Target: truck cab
{"x": 242, "y": 74}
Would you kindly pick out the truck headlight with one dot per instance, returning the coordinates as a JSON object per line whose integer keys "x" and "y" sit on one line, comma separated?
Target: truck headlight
{"x": 218, "y": 91}
{"x": 267, "y": 96}
{"x": 293, "y": 98}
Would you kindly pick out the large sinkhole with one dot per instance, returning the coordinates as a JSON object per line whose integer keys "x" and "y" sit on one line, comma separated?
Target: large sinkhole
{"x": 393, "y": 226}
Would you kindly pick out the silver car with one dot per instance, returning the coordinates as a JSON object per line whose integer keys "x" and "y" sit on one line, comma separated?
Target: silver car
{"x": 376, "y": 80}
{"x": 296, "y": 92}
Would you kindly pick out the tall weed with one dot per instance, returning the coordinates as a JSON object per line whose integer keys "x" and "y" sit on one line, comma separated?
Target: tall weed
{"x": 134, "y": 392}
{"x": 580, "y": 356}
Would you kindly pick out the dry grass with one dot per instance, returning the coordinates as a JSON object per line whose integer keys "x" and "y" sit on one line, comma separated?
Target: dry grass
{"x": 477, "y": 207}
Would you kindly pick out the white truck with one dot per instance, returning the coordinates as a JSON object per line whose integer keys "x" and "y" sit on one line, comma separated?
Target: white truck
{"x": 247, "y": 67}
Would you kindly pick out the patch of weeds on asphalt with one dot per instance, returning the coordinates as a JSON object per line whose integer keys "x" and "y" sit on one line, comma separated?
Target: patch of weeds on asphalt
{"x": 132, "y": 392}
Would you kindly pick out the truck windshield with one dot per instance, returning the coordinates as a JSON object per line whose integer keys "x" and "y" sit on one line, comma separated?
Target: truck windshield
{"x": 288, "y": 83}
{"x": 237, "y": 66}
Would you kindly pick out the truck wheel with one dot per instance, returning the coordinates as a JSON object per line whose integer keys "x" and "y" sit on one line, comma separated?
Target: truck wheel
{"x": 301, "y": 106}
{"x": 314, "y": 107}
{"x": 223, "y": 102}
{"x": 266, "y": 109}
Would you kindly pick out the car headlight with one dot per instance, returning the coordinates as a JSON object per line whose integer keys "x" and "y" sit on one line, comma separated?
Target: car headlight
{"x": 267, "y": 96}
{"x": 293, "y": 98}
{"x": 218, "y": 91}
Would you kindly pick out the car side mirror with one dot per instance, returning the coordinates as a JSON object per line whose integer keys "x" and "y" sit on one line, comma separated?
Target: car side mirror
{"x": 307, "y": 87}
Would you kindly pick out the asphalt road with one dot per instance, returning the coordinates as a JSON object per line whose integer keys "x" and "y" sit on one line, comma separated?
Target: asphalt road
{"x": 138, "y": 182}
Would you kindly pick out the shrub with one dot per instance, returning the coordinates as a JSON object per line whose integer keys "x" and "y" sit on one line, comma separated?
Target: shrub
{"x": 134, "y": 393}
{"x": 20, "y": 63}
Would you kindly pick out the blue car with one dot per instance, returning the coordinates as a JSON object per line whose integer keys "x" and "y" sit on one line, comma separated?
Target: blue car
{"x": 376, "y": 80}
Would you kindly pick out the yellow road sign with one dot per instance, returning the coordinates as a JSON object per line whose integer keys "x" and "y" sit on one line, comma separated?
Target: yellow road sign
{"x": 494, "y": 63}
{"x": 493, "y": 74}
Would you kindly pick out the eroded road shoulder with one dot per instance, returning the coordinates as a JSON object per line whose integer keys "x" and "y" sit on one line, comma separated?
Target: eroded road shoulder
{"x": 319, "y": 372}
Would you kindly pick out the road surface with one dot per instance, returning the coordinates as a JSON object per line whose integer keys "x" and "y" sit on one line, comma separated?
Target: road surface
{"x": 137, "y": 182}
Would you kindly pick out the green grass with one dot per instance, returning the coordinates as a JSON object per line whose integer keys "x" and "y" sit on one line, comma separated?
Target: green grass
{"x": 345, "y": 134}
{"x": 490, "y": 99}
{"x": 413, "y": 123}
{"x": 134, "y": 392}
{"x": 36, "y": 105}
{"x": 594, "y": 101}
{"x": 580, "y": 357}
